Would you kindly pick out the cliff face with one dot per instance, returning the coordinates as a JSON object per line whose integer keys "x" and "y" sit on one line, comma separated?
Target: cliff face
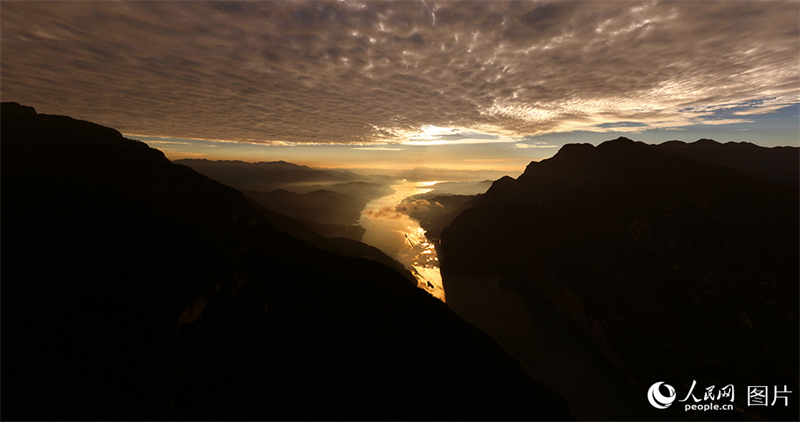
{"x": 677, "y": 268}
{"x": 137, "y": 288}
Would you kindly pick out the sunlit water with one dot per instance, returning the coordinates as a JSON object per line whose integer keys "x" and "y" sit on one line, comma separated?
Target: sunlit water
{"x": 401, "y": 237}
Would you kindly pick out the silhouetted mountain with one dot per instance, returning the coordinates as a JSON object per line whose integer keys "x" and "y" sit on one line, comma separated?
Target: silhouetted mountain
{"x": 680, "y": 270}
{"x": 261, "y": 176}
{"x": 328, "y": 203}
{"x": 270, "y": 176}
{"x": 365, "y": 191}
{"x": 352, "y": 231}
{"x": 309, "y": 231}
{"x": 776, "y": 164}
{"x": 321, "y": 206}
{"x": 135, "y": 288}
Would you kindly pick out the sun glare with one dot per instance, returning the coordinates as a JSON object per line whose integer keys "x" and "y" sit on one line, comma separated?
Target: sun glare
{"x": 433, "y": 132}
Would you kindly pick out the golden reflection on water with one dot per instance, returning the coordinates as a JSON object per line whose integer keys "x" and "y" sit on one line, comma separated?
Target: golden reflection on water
{"x": 401, "y": 237}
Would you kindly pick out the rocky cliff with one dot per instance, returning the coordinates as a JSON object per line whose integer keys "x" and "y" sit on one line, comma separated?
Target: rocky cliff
{"x": 678, "y": 268}
{"x": 135, "y": 288}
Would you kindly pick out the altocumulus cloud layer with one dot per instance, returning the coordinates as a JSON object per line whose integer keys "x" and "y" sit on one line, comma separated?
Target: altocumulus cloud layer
{"x": 364, "y": 72}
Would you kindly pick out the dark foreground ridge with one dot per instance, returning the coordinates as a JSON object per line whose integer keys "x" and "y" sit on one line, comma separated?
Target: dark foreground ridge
{"x": 679, "y": 269}
{"x": 135, "y": 288}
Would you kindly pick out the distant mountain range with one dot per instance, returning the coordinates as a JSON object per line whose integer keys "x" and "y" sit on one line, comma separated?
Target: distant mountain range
{"x": 135, "y": 288}
{"x": 328, "y": 202}
{"x": 269, "y": 176}
{"x": 261, "y": 176}
{"x": 679, "y": 260}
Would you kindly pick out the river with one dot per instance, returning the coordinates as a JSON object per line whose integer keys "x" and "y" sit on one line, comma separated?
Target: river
{"x": 401, "y": 237}
{"x": 549, "y": 346}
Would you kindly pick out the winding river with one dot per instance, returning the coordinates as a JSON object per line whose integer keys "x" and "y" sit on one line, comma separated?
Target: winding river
{"x": 401, "y": 237}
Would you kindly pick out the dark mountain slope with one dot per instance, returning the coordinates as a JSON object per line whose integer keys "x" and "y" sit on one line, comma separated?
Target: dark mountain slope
{"x": 352, "y": 231}
{"x": 134, "y": 288}
{"x": 339, "y": 245}
{"x": 678, "y": 269}
{"x": 321, "y": 206}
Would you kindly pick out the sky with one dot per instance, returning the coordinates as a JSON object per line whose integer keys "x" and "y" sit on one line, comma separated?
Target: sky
{"x": 460, "y": 85}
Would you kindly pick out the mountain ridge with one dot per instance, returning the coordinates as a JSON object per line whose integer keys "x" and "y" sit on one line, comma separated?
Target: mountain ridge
{"x": 664, "y": 260}
{"x": 776, "y": 164}
{"x": 138, "y": 288}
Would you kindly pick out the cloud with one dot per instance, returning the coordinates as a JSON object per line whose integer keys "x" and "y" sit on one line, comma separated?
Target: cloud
{"x": 169, "y": 142}
{"x": 288, "y": 73}
{"x": 535, "y": 145}
{"x": 403, "y": 209}
{"x": 466, "y": 141}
